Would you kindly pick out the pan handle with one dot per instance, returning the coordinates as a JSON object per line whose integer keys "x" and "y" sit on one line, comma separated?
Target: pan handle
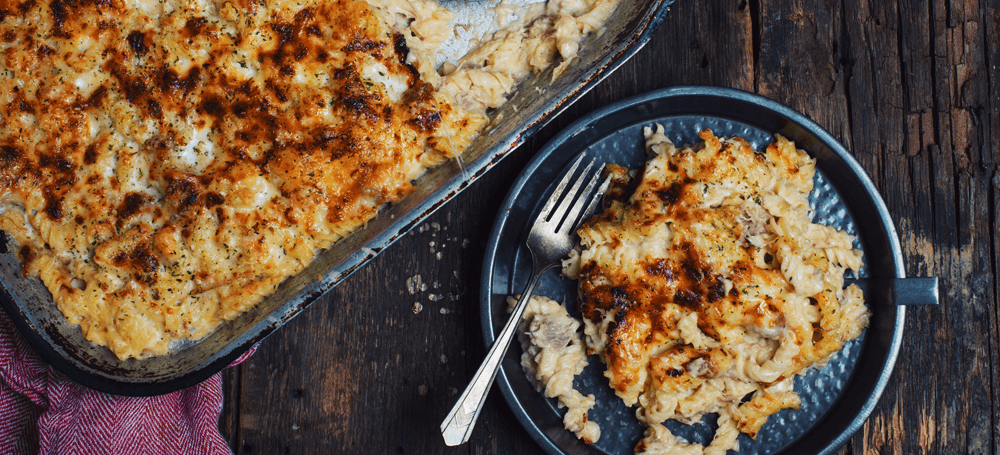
{"x": 903, "y": 291}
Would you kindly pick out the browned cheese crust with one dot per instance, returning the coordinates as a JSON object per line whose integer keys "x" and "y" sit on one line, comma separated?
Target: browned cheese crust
{"x": 165, "y": 165}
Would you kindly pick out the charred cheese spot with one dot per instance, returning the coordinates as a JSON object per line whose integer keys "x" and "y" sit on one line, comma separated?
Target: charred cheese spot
{"x": 129, "y": 207}
{"x": 193, "y": 27}
{"x": 661, "y": 268}
{"x": 213, "y": 106}
{"x": 53, "y": 204}
{"x": 214, "y": 199}
{"x": 141, "y": 260}
{"x": 27, "y": 257}
{"x": 183, "y": 191}
{"x": 137, "y": 41}
{"x": 12, "y": 164}
{"x": 427, "y": 121}
{"x": 94, "y": 100}
{"x": 673, "y": 192}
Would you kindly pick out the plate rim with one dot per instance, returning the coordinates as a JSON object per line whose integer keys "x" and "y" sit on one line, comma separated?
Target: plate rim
{"x": 720, "y": 94}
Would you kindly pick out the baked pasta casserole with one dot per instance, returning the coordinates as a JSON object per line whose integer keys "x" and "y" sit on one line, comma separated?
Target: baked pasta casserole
{"x": 166, "y": 164}
{"x": 705, "y": 287}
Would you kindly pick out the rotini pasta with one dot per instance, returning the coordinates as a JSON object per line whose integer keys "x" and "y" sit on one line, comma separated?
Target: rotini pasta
{"x": 708, "y": 288}
{"x": 553, "y": 355}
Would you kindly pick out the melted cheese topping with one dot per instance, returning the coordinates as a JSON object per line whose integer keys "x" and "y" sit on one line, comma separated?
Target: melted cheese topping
{"x": 709, "y": 282}
{"x": 167, "y": 164}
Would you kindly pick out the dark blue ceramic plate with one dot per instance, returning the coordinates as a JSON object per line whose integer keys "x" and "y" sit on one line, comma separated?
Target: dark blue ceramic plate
{"x": 835, "y": 400}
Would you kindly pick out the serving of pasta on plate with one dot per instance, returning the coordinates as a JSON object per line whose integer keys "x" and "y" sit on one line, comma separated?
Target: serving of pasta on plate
{"x": 704, "y": 288}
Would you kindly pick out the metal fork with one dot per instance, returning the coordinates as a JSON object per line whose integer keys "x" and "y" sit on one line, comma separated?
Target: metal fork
{"x": 549, "y": 241}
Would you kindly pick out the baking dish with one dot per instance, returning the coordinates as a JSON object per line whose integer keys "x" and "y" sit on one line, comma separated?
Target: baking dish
{"x": 535, "y": 102}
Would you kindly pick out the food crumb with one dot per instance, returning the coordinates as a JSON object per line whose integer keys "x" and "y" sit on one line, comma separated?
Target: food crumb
{"x": 436, "y": 284}
{"x": 414, "y": 284}
{"x": 445, "y": 311}
{"x": 417, "y": 307}
{"x": 452, "y": 391}
{"x": 422, "y": 390}
{"x": 295, "y": 427}
{"x": 436, "y": 226}
{"x": 438, "y": 255}
{"x": 444, "y": 358}
{"x": 465, "y": 243}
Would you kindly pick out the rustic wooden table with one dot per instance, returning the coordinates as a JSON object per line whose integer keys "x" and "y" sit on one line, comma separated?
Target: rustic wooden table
{"x": 912, "y": 88}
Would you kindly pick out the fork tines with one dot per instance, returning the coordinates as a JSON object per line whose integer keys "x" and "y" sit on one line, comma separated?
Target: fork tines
{"x": 574, "y": 206}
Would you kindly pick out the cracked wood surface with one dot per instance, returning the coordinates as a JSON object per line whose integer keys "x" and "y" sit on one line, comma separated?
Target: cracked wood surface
{"x": 912, "y": 88}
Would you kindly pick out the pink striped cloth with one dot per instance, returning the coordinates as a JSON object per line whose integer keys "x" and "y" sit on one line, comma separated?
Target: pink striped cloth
{"x": 42, "y": 411}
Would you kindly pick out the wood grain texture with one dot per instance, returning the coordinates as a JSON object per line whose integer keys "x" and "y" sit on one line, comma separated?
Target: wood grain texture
{"x": 911, "y": 87}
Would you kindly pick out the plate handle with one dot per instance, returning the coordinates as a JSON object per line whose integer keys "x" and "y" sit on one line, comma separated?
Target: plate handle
{"x": 904, "y": 291}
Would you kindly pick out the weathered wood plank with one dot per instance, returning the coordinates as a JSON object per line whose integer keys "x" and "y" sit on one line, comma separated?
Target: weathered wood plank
{"x": 959, "y": 61}
{"x": 703, "y": 43}
{"x": 229, "y": 420}
{"x": 991, "y": 126}
{"x": 800, "y": 63}
{"x": 975, "y": 235}
{"x": 945, "y": 414}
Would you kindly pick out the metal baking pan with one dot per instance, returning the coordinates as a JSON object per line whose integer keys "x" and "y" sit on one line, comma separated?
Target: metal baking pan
{"x": 836, "y": 400}
{"x": 535, "y": 102}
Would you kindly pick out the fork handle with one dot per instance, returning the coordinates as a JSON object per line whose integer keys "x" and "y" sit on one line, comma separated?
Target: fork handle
{"x": 457, "y": 427}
